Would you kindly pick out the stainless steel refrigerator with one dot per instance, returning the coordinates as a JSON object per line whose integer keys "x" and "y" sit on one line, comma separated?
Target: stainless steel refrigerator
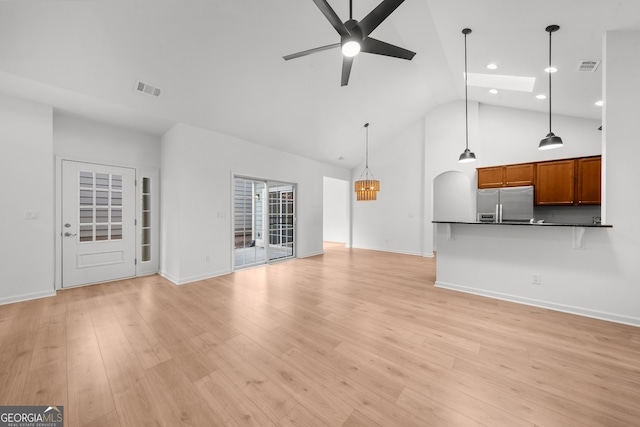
{"x": 509, "y": 204}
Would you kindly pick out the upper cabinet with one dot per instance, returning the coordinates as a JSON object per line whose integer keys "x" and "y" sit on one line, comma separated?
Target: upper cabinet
{"x": 517, "y": 175}
{"x": 563, "y": 182}
{"x": 555, "y": 183}
{"x": 589, "y": 181}
{"x": 491, "y": 177}
{"x": 506, "y": 176}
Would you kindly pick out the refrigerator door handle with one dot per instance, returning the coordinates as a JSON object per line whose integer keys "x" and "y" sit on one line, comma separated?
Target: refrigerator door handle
{"x": 500, "y": 214}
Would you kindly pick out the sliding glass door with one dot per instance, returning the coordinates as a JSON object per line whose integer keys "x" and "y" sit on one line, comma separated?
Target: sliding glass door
{"x": 264, "y": 221}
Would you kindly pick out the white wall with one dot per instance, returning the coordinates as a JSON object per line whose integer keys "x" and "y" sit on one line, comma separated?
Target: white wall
{"x": 603, "y": 278}
{"x": 444, "y": 142}
{"x": 452, "y": 197}
{"x": 26, "y": 158}
{"x": 78, "y": 138}
{"x": 197, "y": 169}
{"x": 335, "y": 210}
{"x": 394, "y": 222}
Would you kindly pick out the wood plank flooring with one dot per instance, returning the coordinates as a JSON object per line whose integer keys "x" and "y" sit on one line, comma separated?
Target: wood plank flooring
{"x": 349, "y": 338}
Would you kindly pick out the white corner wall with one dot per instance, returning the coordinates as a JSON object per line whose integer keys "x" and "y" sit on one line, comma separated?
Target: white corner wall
{"x": 335, "y": 210}
{"x": 393, "y": 222}
{"x": 197, "y": 170}
{"x": 26, "y": 156}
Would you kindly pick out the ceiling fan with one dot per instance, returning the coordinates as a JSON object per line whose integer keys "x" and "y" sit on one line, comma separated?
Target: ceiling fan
{"x": 354, "y": 35}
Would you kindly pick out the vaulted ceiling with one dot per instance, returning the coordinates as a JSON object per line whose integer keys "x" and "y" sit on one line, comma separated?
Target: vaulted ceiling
{"x": 219, "y": 63}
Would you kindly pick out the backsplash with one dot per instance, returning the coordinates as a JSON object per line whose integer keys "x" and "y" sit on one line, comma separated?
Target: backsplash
{"x": 567, "y": 214}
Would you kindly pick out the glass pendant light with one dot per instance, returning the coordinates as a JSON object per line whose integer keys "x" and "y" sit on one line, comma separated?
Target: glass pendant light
{"x": 551, "y": 140}
{"x": 467, "y": 155}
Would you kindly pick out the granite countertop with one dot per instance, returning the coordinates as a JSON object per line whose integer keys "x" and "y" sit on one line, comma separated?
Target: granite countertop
{"x": 534, "y": 224}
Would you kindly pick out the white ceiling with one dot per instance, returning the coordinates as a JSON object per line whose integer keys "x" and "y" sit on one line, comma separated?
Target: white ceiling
{"x": 219, "y": 63}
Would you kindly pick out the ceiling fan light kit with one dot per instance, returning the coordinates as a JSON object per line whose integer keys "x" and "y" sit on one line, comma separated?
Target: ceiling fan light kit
{"x": 354, "y": 35}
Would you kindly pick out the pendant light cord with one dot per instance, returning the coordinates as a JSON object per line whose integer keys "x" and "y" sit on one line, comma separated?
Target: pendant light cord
{"x": 366, "y": 172}
{"x": 350, "y": 9}
{"x": 550, "y": 81}
{"x": 466, "y": 101}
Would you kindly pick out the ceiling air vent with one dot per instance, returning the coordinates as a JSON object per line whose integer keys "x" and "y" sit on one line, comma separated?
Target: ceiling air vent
{"x": 148, "y": 89}
{"x": 587, "y": 66}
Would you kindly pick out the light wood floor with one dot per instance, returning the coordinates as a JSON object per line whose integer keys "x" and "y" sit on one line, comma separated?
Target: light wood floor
{"x": 349, "y": 338}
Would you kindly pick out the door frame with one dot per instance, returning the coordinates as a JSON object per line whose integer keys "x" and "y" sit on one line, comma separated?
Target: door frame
{"x": 142, "y": 269}
{"x": 267, "y": 181}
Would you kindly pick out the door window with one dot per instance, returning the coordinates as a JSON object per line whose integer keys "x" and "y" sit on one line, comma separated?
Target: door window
{"x": 100, "y": 206}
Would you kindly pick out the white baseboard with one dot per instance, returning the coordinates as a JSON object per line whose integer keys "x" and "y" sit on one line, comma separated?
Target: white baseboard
{"x": 27, "y": 297}
{"x": 191, "y": 279}
{"x": 611, "y": 317}
{"x": 388, "y": 250}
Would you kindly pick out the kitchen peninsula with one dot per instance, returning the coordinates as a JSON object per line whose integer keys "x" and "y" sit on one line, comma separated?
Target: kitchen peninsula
{"x": 527, "y": 257}
{"x": 533, "y": 264}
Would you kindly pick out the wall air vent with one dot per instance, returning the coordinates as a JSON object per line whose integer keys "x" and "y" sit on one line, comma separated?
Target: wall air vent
{"x": 587, "y": 66}
{"x": 148, "y": 89}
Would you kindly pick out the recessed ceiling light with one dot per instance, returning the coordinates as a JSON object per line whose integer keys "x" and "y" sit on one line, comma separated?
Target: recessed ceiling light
{"x": 541, "y": 96}
{"x": 493, "y": 91}
{"x": 492, "y": 66}
{"x": 599, "y": 103}
{"x": 550, "y": 70}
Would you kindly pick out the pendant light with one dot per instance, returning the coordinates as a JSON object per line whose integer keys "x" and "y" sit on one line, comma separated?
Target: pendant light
{"x": 551, "y": 140}
{"x": 467, "y": 155}
{"x": 367, "y": 188}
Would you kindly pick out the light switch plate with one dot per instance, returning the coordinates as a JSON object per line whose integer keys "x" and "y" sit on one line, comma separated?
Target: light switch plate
{"x": 31, "y": 215}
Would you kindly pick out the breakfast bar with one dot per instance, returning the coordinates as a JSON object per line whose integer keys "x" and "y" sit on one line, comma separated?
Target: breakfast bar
{"x": 531, "y": 263}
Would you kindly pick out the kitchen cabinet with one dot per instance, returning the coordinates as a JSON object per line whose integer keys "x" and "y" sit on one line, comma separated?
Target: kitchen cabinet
{"x": 564, "y": 182}
{"x": 555, "y": 183}
{"x": 518, "y": 175}
{"x": 492, "y": 177}
{"x": 589, "y": 181}
{"x": 506, "y": 176}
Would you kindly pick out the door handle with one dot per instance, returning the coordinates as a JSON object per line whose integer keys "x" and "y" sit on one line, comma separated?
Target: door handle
{"x": 67, "y": 234}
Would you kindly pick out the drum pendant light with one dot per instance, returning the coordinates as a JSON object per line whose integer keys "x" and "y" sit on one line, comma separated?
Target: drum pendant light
{"x": 367, "y": 188}
{"x": 551, "y": 140}
{"x": 467, "y": 155}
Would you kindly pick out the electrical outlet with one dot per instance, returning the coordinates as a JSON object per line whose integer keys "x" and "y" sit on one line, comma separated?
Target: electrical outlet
{"x": 536, "y": 279}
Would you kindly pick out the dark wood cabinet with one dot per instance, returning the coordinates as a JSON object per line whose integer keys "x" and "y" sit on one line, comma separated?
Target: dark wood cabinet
{"x": 491, "y": 177}
{"x": 589, "y": 181}
{"x": 564, "y": 182}
{"x": 506, "y": 176}
{"x": 555, "y": 183}
{"x": 518, "y": 175}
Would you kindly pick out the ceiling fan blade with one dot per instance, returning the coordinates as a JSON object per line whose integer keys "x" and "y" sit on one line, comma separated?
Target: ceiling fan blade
{"x": 310, "y": 51}
{"x": 347, "y": 62}
{"x": 333, "y": 18}
{"x": 377, "y": 15}
{"x": 371, "y": 45}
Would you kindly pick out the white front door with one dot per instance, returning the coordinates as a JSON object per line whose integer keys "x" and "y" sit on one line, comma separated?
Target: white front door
{"x": 98, "y": 223}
